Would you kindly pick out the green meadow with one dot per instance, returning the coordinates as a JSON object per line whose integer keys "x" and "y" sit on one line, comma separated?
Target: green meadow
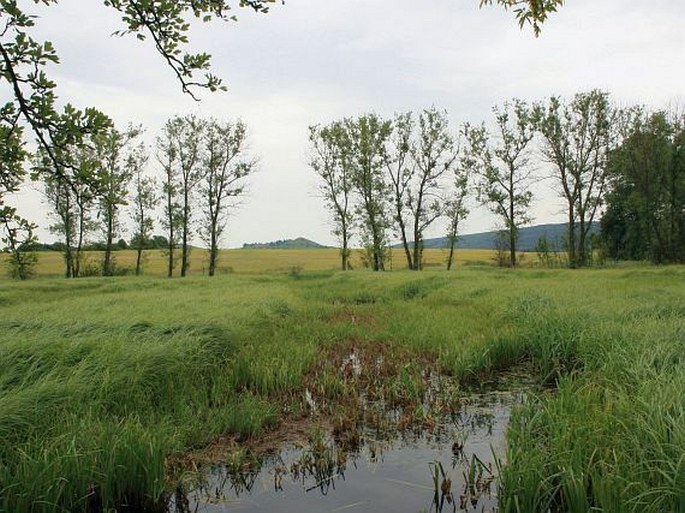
{"x": 107, "y": 385}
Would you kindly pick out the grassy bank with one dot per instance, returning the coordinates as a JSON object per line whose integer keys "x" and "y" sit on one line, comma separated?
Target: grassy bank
{"x": 102, "y": 381}
{"x": 612, "y": 436}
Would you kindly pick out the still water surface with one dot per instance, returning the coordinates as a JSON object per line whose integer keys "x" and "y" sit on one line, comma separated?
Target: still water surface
{"x": 384, "y": 473}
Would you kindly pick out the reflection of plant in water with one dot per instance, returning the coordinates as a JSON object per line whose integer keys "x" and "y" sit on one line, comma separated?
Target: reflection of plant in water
{"x": 323, "y": 461}
{"x": 242, "y": 467}
{"x": 475, "y": 421}
{"x": 181, "y": 502}
{"x": 458, "y": 446}
{"x": 478, "y": 478}
{"x": 442, "y": 487}
{"x": 189, "y": 483}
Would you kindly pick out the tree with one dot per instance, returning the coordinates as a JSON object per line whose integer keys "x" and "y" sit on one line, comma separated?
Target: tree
{"x": 456, "y": 209}
{"x": 434, "y": 155}
{"x": 576, "y": 139}
{"x": 332, "y": 161}
{"x": 401, "y": 170}
{"x": 12, "y": 157}
{"x": 60, "y": 198}
{"x": 368, "y": 136}
{"x": 645, "y": 200}
{"x": 189, "y": 135}
{"x": 225, "y": 168}
{"x": 23, "y": 61}
{"x": 180, "y": 146}
{"x": 171, "y": 220}
{"x": 70, "y": 186}
{"x": 167, "y": 25}
{"x": 153, "y": 242}
{"x": 144, "y": 200}
{"x": 503, "y": 168}
{"x": 419, "y": 154}
{"x": 112, "y": 183}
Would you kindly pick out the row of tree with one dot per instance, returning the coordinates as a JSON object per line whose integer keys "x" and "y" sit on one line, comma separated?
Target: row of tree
{"x": 87, "y": 185}
{"x": 32, "y": 95}
{"x": 382, "y": 176}
{"x": 204, "y": 165}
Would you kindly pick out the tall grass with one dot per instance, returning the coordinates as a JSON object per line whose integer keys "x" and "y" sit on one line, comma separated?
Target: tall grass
{"x": 104, "y": 382}
{"x": 612, "y": 435}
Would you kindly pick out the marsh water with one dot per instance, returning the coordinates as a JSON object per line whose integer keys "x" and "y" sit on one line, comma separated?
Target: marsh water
{"x": 449, "y": 466}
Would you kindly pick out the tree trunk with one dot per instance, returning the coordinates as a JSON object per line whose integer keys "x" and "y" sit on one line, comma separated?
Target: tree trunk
{"x": 376, "y": 241}
{"x": 184, "y": 253}
{"x": 582, "y": 253}
{"x": 512, "y": 221}
{"x": 68, "y": 258}
{"x": 377, "y": 257}
{"x": 107, "y": 264}
{"x": 170, "y": 264}
{"x": 68, "y": 251}
{"x": 68, "y": 237}
{"x": 571, "y": 238}
{"x": 407, "y": 251}
{"x": 170, "y": 214}
{"x": 417, "y": 255}
{"x": 450, "y": 257}
{"x": 418, "y": 242}
{"x": 139, "y": 259}
{"x": 212, "y": 261}
{"x": 345, "y": 252}
{"x": 81, "y": 227}
{"x": 405, "y": 244}
{"x": 184, "y": 248}
{"x": 213, "y": 250}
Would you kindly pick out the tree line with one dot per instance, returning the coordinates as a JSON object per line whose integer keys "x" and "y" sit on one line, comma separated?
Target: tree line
{"x": 382, "y": 177}
{"x": 59, "y": 130}
{"x": 92, "y": 184}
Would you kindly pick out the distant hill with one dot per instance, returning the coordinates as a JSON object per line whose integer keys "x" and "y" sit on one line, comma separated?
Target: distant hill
{"x": 528, "y": 238}
{"x": 299, "y": 243}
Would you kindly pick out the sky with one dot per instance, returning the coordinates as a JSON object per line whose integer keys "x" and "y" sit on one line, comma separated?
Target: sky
{"x": 316, "y": 61}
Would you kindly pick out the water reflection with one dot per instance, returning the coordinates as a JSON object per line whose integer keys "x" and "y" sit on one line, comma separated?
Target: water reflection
{"x": 449, "y": 467}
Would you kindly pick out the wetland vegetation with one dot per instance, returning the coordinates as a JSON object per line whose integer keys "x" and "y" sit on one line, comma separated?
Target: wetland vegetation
{"x": 115, "y": 392}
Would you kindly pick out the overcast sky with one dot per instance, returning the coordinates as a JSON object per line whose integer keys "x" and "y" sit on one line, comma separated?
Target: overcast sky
{"x": 314, "y": 61}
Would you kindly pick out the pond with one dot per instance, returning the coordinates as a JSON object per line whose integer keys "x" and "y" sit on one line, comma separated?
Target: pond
{"x": 447, "y": 466}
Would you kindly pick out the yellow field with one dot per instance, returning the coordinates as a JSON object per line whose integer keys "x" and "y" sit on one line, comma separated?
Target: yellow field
{"x": 258, "y": 260}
